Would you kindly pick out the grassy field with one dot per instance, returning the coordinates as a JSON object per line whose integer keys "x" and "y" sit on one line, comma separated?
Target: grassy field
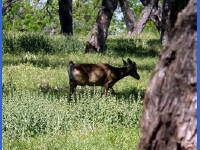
{"x": 36, "y": 112}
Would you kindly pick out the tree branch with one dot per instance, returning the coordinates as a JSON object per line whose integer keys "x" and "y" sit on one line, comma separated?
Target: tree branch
{"x": 7, "y": 6}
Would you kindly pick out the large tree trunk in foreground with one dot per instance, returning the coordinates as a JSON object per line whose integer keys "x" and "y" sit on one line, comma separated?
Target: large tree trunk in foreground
{"x": 169, "y": 119}
{"x": 99, "y": 33}
{"x": 129, "y": 16}
{"x": 170, "y": 10}
{"x": 65, "y": 14}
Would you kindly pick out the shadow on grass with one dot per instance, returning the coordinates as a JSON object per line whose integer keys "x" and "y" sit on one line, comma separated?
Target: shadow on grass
{"x": 40, "y": 62}
{"x": 131, "y": 95}
{"x": 146, "y": 67}
{"x": 137, "y": 94}
{"x": 120, "y": 46}
{"x": 35, "y": 42}
{"x": 135, "y": 47}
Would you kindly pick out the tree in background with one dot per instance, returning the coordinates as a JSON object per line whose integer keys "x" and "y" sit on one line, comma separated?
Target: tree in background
{"x": 99, "y": 33}
{"x": 65, "y": 16}
{"x": 100, "y": 30}
{"x": 169, "y": 119}
{"x": 84, "y": 15}
{"x": 43, "y": 16}
{"x": 31, "y": 16}
{"x": 134, "y": 26}
{"x": 129, "y": 16}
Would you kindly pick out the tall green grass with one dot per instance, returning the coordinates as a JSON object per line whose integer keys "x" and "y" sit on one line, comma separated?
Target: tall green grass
{"x": 13, "y": 42}
{"x": 36, "y": 112}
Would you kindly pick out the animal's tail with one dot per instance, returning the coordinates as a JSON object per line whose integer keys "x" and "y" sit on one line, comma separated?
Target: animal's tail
{"x": 70, "y": 70}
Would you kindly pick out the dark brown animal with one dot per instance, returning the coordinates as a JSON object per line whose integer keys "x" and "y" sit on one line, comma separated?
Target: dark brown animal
{"x": 99, "y": 74}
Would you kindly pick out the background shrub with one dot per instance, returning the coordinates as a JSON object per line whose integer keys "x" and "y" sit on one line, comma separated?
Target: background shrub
{"x": 34, "y": 42}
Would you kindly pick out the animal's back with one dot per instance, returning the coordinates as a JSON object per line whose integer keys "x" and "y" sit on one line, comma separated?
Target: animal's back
{"x": 89, "y": 74}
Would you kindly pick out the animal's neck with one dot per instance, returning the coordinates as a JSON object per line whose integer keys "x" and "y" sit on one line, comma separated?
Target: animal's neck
{"x": 121, "y": 73}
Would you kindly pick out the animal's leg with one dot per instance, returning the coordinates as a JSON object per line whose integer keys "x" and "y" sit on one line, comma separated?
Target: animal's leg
{"x": 72, "y": 89}
{"x": 112, "y": 90}
{"x": 110, "y": 85}
{"x": 106, "y": 89}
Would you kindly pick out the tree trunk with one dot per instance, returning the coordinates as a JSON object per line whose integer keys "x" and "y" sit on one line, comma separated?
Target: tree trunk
{"x": 129, "y": 16}
{"x": 7, "y": 6}
{"x": 169, "y": 119}
{"x": 99, "y": 34}
{"x": 144, "y": 16}
{"x": 152, "y": 10}
{"x": 65, "y": 14}
{"x": 156, "y": 16}
{"x": 165, "y": 22}
{"x": 170, "y": 11}
{"x": 133, "y": 27}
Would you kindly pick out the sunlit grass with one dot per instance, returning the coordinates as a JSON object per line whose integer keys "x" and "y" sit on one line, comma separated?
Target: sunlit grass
{"x": 36, "y": 112}
{"x": 98, "y": 139}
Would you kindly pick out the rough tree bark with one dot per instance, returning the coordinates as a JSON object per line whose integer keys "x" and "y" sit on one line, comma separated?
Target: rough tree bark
{"x": 65, "y": 14}
{"x": 147, "y": 13}
{"x": 99, "y": 33}
{"x": 129, "y": 16}
{"x": 144, "y": 16}
{"x": 165, "y": 22}
{"x": 7, "y": 6}
{"x": 136, "y": 27}
{"x": 170, "y": 9}
{"x": 169, "y": 119}
{"x": 156, "y": 15}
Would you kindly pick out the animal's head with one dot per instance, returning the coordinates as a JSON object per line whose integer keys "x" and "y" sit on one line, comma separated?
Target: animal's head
{"x": 132, "y": 68}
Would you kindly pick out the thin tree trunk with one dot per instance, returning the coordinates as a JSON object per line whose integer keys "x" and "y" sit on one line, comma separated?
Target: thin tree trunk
{"x": 144, "y": 16}
{"x": 169, "y": 119}
{"x": 156, "y": 16}
{"x": 165, "y": 22}
{"x": 65, "y": 14}
{"x": 99, "y": 33}
{"x": 129, "y": 16}
{"x": 136, "y": 27}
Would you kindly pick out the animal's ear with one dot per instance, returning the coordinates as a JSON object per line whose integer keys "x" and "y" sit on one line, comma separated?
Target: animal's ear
{"x": 129, "y": 61}
{"x": 124, "y": 62}
{"x": 71, "y": 62}
{"x": 134, "y": 63}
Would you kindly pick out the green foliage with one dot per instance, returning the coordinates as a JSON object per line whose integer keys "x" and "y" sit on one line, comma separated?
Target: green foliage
{"x": 36, "y": 112}
{"x": 43, "y": 17}
{"x": 84, "y": 15}
{"x": 117, "y": 25}
{"x": 31, "y": 16}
